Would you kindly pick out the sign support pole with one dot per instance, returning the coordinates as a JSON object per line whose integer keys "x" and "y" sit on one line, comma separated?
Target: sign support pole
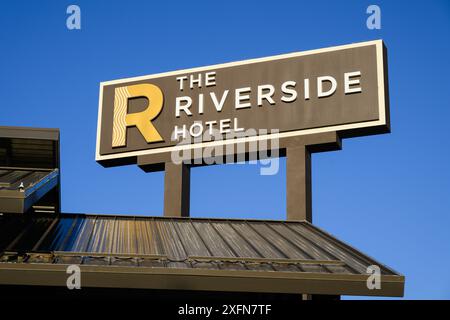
{"x": 298, "y": 183}
{"x": 177, "y": 180}
{"x": 298, "y": 152}
{"x": 298, "y": 170}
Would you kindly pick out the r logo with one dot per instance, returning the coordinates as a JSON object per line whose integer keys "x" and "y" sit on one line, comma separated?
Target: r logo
{"x": 141, "y": 120}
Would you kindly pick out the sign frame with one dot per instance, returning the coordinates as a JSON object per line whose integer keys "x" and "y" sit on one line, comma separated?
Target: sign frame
{"x": 382, "y": 125}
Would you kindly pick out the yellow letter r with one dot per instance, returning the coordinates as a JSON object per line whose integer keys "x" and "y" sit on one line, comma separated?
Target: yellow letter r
{"x": 141, "y": 120}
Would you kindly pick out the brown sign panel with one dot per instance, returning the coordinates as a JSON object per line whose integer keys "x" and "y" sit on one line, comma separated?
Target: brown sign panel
{"x": 340, "y": 89}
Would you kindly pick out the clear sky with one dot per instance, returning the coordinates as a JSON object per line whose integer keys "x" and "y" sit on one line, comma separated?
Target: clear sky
{"x": 387, "y": 195}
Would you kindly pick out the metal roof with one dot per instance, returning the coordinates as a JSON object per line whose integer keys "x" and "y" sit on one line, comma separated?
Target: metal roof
{"x": 29, "y": 156}
{"x": 21, "y": 188}
{"x": 185, "y": 253}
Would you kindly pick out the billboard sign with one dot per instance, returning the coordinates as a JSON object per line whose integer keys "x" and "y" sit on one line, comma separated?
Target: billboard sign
{"x": 339, "y": 89}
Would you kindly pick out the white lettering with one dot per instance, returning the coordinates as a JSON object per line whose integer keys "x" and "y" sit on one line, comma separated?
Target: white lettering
{"x": 268, "y": 95}
{"x": 183, "y": 107}
{"x": 219, "y": 105}
{"x": 306, "y": 84}
{"x": 197, "y": 81}
{"x": 348, "y": 83}
{"x": 181, "y": 81}
{"x": 210, "y": 79}
{"x": 320, "y": 92}
{"x": 285, "y": 88}
{"x": 239, "y": 97}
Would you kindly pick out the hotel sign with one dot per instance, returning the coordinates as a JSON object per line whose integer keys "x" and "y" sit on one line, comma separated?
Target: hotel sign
{"x": 340, "y": 89}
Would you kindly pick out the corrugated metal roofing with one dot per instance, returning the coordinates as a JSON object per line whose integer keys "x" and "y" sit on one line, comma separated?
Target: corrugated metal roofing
{"x": 12, "y": 178}
{"x": 179, "y": 244}
{"x": 183, "y": 242}
{"x": 21, "y": 188}
{"x": 29, "y": 156}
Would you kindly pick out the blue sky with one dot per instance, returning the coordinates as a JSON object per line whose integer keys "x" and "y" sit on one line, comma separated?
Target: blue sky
{"x": 387, "y": 195}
